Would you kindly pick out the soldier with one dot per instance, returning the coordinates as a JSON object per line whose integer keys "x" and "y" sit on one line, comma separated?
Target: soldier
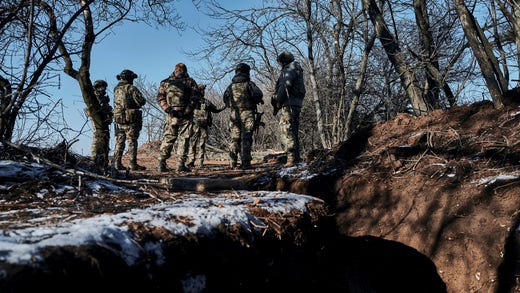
{"x": 202, "y": 120}
{"x": 242, "y": 96}
{"x": 177, "y": 95}
{"x": 128, "y": 101}
{"x": 100, "y": 125}
{"x": 288, "y": 98}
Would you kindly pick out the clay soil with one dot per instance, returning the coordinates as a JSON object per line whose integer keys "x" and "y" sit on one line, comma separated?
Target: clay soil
{"x": 445, "y": 185}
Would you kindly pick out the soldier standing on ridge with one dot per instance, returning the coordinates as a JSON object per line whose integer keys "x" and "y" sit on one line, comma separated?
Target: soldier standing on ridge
{"x": 288, "y": 98}
{"x": 242, "y": 96}
{"x": 177, "y": 95}
{"x": 128, "y": 116}
{"x": 202, "y": 120}
{"x": 101, "y": 137}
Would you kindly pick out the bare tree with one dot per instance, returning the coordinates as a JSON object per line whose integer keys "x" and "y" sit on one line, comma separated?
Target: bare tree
{"x": 483, "y": 51}
{"x": 25, "y": 55}
{"x": 312, "y": 74}
{"x": 257, "y": 35}
{"x": 393, "y": 50}
{"x": 59, "y": 34}
{"x": 510, "y": 11}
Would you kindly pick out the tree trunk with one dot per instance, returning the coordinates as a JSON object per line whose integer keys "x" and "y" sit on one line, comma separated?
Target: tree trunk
{"x": 359, "y": 83}
{"x": 312, "y": 77}
{"x": 419, "y": 104}
{"x": 428, "y": 57}
{"x": 482, "y": 50}
{"x": 82, "y": 75}
{"x": 6, "y": 92}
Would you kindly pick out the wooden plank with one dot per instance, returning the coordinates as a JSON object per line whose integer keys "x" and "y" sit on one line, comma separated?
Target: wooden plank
{"x": 201, "y": 184}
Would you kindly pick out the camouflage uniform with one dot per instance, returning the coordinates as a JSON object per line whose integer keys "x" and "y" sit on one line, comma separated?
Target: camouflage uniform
{"x": 176, "y": 97}
{"x": 202, "y": 120}
{"x": 101, "y": 136}
{"x": 290, "y": 91}
{"x": 242, "y": 96}
{"x": 128, "y": 116}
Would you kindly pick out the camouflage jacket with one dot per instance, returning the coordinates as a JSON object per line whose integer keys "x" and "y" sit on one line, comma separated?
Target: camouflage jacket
{"x": 183, "y": 96}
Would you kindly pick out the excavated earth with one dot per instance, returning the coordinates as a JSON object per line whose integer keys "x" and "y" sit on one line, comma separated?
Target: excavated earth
{"x": 426, "y": 204}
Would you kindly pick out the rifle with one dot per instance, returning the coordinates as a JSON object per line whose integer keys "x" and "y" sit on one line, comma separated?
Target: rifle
{"x": 276, "y": 105}
{"x": 258, "y": 122}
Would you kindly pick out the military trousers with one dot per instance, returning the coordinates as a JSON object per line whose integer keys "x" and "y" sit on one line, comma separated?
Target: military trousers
{"x": 175, "y": 130}
{"x": 241, "y": 126}
{"x": 130, "y": 133}
{"x": 289, "y": 127}
{"x": 100, "y": 146}
{"x": 198, "y": 144}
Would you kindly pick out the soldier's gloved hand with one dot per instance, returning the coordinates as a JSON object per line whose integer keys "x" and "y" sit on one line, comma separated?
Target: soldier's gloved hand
{"x": 276, "y": 105}
{"x": 188, "y": 111}
{"x": 172, "y": 112}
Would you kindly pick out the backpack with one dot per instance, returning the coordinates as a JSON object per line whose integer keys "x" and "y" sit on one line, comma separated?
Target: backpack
{"x": 242, "y": 96}
{"x": 202, "y": 116}
{"x": 177, "y": 92}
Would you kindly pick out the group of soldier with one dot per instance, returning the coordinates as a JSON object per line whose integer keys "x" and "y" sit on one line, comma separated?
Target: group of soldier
{"x": 188, "y": 116}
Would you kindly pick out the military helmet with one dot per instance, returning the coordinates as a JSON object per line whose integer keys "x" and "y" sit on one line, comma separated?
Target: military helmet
{"x": 126, "y": 74}
{"x": 285, "y": 58}
{"x": 242, "y": 67}
{"x": 100, "y": 83}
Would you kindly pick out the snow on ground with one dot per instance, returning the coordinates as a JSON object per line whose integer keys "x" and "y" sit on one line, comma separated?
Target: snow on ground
{"x": 190, "y": 213}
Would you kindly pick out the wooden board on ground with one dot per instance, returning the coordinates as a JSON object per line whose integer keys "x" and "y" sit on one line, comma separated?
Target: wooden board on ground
{"x": 201, "y": 184}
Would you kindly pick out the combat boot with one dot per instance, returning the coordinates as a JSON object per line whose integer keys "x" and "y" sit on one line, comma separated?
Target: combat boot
{"x": 162, "y": 166}
{"x": 290, "y": 162}
{"x": 182, "y": 168}
{"x": 245, "y": 165}
{"x": 118, "y": 165}
{"x": 137, "y": 167}
{"x": 181, "y": 165}
{"x": 233, "y": 160}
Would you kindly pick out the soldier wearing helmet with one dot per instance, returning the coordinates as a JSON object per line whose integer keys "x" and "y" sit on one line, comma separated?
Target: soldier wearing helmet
{"x": 202, "y": 120}
{"x": 288, "y": 99}
{"x": 176, "y": 96}
{"x": 100, "y": 125}
{"x": 242, "y": 96}
{"x": 128, "y": 101}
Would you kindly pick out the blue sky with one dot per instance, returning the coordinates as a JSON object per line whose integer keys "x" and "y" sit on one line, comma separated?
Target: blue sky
{"x": 149, "y": 52}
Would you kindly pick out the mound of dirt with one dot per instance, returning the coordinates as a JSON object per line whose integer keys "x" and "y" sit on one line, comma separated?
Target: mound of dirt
{"x": 446, "y": 184}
